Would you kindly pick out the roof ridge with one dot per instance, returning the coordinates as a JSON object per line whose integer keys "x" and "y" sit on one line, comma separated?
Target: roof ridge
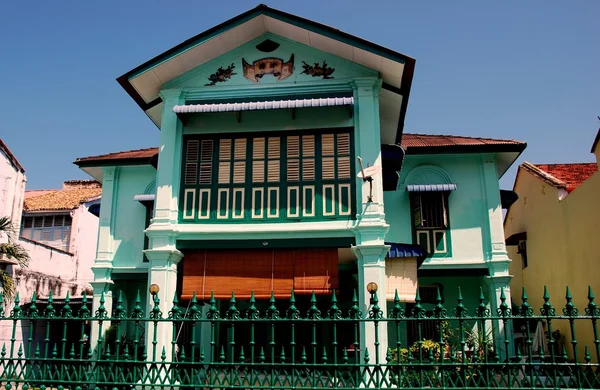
{"x": 543, "y": 174}
{"x": 112, "y": 153}
{"x": 462, "y": 136}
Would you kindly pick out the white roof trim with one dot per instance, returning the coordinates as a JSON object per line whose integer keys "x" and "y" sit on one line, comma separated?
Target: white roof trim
{"x": 267, "y": 105}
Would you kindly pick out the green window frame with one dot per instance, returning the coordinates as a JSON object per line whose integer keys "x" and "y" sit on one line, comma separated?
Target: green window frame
{"x": 268, "y": 177}
{"x": 431, "y": 222}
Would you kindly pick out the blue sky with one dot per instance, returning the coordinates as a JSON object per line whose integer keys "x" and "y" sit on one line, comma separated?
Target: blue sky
{"x": 521, "y": 70}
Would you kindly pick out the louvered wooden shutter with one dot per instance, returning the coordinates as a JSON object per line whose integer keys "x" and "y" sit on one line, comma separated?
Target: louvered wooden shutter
{"x": 191, "y": 162}
{"x": 206, "y": 157}
{"x": 343, "y": 156}
{"x": 417, "y": 211}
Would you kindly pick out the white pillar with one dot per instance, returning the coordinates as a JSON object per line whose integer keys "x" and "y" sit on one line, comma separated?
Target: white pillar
{"x": 498, "y": 286}
{"x": 163, "y": 273}
{"x": 371, "y": 268}
{"x": 101, "y": 286}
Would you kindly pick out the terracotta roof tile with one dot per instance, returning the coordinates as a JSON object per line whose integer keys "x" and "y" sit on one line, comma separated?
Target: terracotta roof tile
{"x": 409, "y": 141}
{"x": 126, "y": 155}
{"x": 429, "y": 140}
{"x": 60, "y": 199}
{"x": 572, "y": 175}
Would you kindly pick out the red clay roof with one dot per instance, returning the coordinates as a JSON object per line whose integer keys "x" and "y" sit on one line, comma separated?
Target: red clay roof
{"x": 11, "y": 156}
{"x": 430, "y": 140}
{"x": 126, "y": 155}
{"x": 571, "y": 174}
{"x": 60, "y": 199}
{"x": 412, "y": 142}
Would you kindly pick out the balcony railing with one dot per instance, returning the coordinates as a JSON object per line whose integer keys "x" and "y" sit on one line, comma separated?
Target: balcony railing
{"x": 286, "y": 346}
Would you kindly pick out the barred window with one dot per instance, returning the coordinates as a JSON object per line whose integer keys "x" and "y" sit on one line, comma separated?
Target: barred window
{"x": 52, "y": 230}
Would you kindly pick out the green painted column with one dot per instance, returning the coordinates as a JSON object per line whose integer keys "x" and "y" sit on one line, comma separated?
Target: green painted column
{"x": 168, "y": 174}
{"x": 368, "y": 147}
{"x": 371, "y": 227}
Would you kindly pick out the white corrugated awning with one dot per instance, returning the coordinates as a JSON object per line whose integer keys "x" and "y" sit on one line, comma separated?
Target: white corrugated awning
{"x": 144, "y": 197}
{"x": 267, "y": 105}
{"x": 430, "y": 187}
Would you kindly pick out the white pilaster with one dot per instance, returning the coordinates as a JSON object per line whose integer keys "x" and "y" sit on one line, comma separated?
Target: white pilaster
{"x": 163, "y": 273}
{"x": 169, "y": 160}
{"x": 101, "y": 286}
{"x": 371, "y": 268}
{"x": 498, "y": 286}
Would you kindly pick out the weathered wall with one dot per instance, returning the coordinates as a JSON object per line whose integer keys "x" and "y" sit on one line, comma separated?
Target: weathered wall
{"x": 84, "y": 236}
{"x": 561, "y": 251}
{"x": 12, "y": 191}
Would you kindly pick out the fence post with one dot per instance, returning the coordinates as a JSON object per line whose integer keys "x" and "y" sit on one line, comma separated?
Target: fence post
{"x": 163, "y": 273}
{"x": 101, "y": 293}
{"x": 499, "y": 285}
{"x": 371, "y": 268}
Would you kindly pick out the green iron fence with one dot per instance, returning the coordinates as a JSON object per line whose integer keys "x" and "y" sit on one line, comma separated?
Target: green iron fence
{"x": 286, "y": 346}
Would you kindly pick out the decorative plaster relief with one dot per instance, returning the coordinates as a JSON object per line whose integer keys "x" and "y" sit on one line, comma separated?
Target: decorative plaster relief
{"x": 318, "y": 70}
{"x": 221, "y": 75}
{"x": 274, "y": 66}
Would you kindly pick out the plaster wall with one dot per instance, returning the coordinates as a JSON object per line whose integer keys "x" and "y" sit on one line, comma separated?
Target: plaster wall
{"x": 561, "y": 237}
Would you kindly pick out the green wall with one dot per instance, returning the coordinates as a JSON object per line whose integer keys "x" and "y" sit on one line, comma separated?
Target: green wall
{"x": 468, "y": 212}
{"x": 129, "y": 216}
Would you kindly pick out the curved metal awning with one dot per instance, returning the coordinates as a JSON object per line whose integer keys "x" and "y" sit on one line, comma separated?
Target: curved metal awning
{"x": 430, "y": 187}
{"x": 264, "y": 105}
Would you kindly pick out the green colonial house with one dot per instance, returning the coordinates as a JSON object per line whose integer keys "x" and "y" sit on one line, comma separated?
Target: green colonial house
{"x": 283, "y": 166}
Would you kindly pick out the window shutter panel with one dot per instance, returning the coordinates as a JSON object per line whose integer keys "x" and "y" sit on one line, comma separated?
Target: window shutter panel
{"x": 293, "y": 170}
{"x": 273, "y": 174}
{"x": 308, "y": 146}
{"x": 293, "y": 147}
{"x": 444, "y": 210}
{"x": 191, "y": 161}
{"x": 328, "y": 168}
{"x": 328, "y": 144}
{"x": 225, "y": 150}
{"x": 239, "y": 172}
{"x": 308, "y": 169}
{"x": 258, "y": 172}
{"x": 258, "y": 148}
{"x": 274, "y": 147}
{"x": 224, "y": 172}
{"x": 343, "y": 171}
{"x": 417, "y": 211}
{"x": 343, "y": 144}
{"x": 38, "y": 222}
{"x": 206, "y": 156}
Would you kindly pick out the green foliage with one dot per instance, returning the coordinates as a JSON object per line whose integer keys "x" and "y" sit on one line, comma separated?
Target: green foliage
{"x": 12, "y": 251}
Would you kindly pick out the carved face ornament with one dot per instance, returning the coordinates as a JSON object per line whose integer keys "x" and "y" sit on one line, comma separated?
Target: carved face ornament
{"x": 274, "y": 66}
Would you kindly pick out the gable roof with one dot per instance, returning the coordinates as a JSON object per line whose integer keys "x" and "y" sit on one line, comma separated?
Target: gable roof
{"x": 596, "y": 140}
{"x": 433, "y": 144}
{"x": 128, "y": 157}
{"x": 144, "y": 81}
{"x": 58, "y": 200}
{"x": 565, "y": 176}
{"x": 11, "y": 157}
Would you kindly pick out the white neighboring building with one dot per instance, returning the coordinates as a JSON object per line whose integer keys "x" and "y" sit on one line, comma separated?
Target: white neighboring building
{"x": 12, "y": 185}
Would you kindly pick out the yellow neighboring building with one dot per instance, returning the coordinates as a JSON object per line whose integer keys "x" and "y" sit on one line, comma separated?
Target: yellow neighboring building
{"x": 553, "y": 232}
